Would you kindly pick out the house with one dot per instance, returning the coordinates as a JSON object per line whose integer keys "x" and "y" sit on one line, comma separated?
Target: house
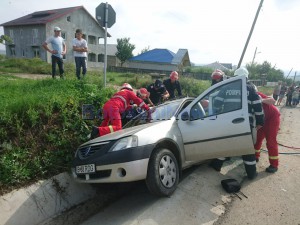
{"x": 220, "y": 66}
{"x": 111, "y": 50}
{"x": 29, "y": 32}
{"x": 160, "y": 60}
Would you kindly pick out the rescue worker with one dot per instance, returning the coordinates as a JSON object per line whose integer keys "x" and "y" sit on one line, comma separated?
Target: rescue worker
{"x": 217, "y": 76}
{"x": 113, "y": 108}
{"x": 158, "y": 92}
{"x": 173, "y": 84}
{"x": 255, "y": 111}
{"x": 269, "y": 131}
{"x": 145, "y": 95}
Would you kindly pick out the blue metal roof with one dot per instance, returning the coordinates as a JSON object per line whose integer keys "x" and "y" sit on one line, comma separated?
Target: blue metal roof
{"x": 155, "y": 55}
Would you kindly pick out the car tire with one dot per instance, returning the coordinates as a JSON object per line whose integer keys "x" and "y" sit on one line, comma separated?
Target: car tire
{"x": 163, "y": 173}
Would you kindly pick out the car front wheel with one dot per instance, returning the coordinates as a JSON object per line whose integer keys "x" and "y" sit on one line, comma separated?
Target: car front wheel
{"x": 163, "y": 173}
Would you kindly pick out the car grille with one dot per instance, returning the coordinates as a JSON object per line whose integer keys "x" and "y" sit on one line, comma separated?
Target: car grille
{"x": 86, "y": 151}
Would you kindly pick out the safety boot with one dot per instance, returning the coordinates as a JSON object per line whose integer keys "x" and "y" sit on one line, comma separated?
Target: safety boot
{"x": 271, "y": 169}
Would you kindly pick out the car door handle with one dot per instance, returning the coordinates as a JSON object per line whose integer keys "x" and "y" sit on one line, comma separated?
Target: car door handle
{"x": 238, "y": 120}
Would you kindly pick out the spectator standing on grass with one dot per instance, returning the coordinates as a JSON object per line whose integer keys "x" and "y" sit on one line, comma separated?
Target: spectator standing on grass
{"x": 173, "y": 84}
{"x": 80, "y": 49}
{"x": 282, "y": 93}
{"x": 58, "y": 51}
{"x": 276, "y": 91}
{"x": 269, "y": 132}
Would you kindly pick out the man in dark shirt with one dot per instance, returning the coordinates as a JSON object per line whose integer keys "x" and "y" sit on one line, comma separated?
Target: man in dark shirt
{"x": 173, "y": 84}
{"x": 158, "y": 92}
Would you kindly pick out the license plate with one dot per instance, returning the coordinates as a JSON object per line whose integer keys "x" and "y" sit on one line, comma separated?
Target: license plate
{"x": 90, "y": 168}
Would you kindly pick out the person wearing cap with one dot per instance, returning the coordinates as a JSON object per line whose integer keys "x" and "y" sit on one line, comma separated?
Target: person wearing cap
{"x": 173, "y": 84}
{"x": 80, "y": 49}
{"x": 158, "y": 92}
{"x": 58, "y": 51}
{"x": 113, "y": 109}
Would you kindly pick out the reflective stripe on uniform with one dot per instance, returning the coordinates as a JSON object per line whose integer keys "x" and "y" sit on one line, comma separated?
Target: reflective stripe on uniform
{"x": 111, "y": 129}
{"x": 257, "y": 150}
{"x": 232, "y": 100}
{"x": 222, "y": 159}
{"x": 250, "y": 163}
{"x": 122, "y": 98}
{"x": 273, "y": 157}
{"x": 256, "y": 102}
{"x": 143, "y": 103}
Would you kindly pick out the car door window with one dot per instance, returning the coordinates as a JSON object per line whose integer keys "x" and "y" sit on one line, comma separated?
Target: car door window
{"x": 224, "y": 99}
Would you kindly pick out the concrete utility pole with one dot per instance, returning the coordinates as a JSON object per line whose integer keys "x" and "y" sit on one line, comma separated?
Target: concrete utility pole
{"x": 251, "y": 31}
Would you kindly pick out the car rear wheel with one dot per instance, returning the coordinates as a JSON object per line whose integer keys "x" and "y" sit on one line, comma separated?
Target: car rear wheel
{"x": 163, "y": 173}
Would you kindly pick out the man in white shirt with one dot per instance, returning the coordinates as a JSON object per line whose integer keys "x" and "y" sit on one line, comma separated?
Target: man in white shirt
{"x": 58, "y": 50}
{"x": 80, "y": 53}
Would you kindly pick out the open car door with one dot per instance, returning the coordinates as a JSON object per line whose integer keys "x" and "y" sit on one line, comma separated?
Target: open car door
{"x": 216, "y": 123}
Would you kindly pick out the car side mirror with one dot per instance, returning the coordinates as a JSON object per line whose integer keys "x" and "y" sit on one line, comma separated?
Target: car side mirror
{"x": 185, "y": 116}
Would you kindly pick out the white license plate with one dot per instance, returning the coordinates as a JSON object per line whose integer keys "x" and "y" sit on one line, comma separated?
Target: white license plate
{"x": 90, "y": 168}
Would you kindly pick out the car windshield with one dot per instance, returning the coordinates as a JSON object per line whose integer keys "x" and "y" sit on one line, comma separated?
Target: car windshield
{"x": 158, "y": 113}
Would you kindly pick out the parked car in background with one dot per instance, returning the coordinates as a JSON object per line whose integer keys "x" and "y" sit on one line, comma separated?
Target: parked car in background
{"x": 156, "y": 146}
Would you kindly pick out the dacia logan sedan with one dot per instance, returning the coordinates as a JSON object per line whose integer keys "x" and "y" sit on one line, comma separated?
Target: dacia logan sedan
{"x": 157, "y": 145}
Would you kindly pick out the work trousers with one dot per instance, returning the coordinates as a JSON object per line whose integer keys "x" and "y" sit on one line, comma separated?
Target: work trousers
{"x": 269, "y": 131}
{"x": 111, "y": 118}
{"x": 80, "y": 62}
{"x": 59, "y": 61}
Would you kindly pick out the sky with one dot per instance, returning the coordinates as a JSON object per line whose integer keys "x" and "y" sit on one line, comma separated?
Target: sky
{"x": 211, "y": 30}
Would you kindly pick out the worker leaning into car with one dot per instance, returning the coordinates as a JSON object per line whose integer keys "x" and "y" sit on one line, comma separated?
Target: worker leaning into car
{"x": 113, "y": 108}
{"x": 158, "y": 92}
{"x": 173, "y": 84}
{"x": 269, "y": 131}
{"x": 145, "y": 95}
{"x": 217, "y": 76}
{"x": 255, "y": 110}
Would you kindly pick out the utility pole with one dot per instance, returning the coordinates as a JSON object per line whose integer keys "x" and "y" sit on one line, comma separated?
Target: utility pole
{"x": 249, "y": 36}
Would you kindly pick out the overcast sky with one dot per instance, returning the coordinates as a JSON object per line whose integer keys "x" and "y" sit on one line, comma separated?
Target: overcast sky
{"x": 211, "y": 30}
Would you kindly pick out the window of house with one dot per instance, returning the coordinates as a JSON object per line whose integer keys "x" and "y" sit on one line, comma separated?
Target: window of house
{"x": 92, "y": 40}
{"x": 36, "y": 52}
{"x": 101, "y": 58}
{"x": 12, "y": 51}
{"x": 64, "y": 35}
{"x": 69, "y": 18}
{"x": 92, "y": 57}
{"x": 11, "y": 35}
{"x": 23, "y": 53}
{"x": 35, "y": 35}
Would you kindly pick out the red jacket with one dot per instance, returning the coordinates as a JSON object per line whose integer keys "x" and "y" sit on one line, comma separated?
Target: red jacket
{"x": 126, "y": 96}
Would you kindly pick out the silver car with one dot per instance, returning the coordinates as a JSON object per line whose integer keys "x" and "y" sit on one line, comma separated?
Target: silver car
{"x": 156, "y": 146}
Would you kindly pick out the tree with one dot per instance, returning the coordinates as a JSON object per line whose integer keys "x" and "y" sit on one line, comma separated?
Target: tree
{"x": 257, "y": 70}
{"x": 4, "y": 39}
{"x": 146, "y": 49}
{"x": 124, "y": 49}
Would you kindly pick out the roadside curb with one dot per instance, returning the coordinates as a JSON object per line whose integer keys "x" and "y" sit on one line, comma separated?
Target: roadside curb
{"x": 43, "y": 200}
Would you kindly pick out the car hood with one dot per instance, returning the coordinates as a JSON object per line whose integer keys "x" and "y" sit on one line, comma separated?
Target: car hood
{"x": 122, "y": 133}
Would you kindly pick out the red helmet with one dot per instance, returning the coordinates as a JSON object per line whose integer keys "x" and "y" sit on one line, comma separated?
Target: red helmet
{"x": 143, "y": 93}
{"x": 174, "y": 75}
{"x": 126, "y": 86}
{"x": 217, "y": 74}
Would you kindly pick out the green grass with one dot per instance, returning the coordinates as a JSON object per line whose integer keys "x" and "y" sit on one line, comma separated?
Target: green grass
{"x": 41, "y": 121}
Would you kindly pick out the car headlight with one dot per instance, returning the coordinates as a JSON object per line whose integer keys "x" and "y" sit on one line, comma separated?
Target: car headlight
{"x": 124, "y": 143}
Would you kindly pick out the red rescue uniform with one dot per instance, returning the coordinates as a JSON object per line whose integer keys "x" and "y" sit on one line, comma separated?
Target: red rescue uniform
{"x": 269, "y": 131}
{"x": 113, "y": 108}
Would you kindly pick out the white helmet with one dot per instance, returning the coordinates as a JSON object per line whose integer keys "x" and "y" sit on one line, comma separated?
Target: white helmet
{"x": 126, "y": 86}
{"x": 242, "y": 71}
